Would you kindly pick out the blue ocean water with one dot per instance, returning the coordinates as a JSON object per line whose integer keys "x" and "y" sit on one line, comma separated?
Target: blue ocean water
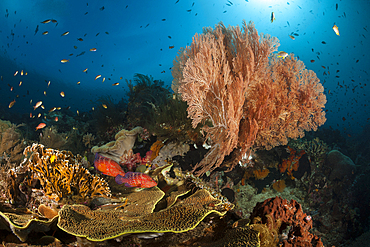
{"x": 87, "y": 49}
{"x": 137, "y": 37}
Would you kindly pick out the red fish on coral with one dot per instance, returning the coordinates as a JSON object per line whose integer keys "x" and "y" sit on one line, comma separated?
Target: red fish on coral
{"x": 136, "y": 179}
{"x": 107, "y": 166}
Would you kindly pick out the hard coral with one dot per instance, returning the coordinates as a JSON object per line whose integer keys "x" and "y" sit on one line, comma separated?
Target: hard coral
{"x": 295, "y": 224}
{"x": 61, "y": 175}
{"x": 80, "y": 220}
{"x": 23, "y": 223}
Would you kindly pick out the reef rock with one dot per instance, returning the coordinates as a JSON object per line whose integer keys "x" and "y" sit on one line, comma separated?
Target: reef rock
{"x": 340, "y": 165}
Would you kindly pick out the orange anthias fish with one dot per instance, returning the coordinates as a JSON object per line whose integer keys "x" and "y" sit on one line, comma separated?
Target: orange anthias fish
{"x": 136, "y": 179}
{"x": 107, "y": 166}
{"x": 40, "y": 126}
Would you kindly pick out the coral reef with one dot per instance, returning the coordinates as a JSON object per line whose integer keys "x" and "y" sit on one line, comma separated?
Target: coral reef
{"x": 239, "y": 236}
{"x": 119, "y": 149}
{"x": 50, "y": 138}
{"x": 109, "y": 115}
{"x": 168, "y": 151}
{"x": 80, "y": 220}
{"x": 291, "y": 164}
{"x": 61, "y": 175}
{"x": 316, "y": 149}
{"x": 88, "y": 140}
{"x": 168, "y": 121}
{"x": 243, "y": 95}
{"x": 340, "y": 166}
{"x": 246, "y": 197}
{"x": 11, "y": 145}
{"x": 155, "y": 148}
{"x": 144, "y": 93}
{"x": 295, "y": 224}
{"x": 279, "y": 185}
{"x": 261, "y": 174}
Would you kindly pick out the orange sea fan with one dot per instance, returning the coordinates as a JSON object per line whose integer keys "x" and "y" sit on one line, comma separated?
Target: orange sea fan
{"x": 155, "y": 148}
{"x": 261, "y": 174}
{"x": 279, "y": 185}
{"x": 243, "y": 95}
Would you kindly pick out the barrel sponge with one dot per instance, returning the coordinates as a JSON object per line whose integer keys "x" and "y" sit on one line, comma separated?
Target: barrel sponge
{"x": 100, "y": 225}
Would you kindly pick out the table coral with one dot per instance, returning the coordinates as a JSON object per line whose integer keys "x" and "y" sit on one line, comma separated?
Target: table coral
{"x": 119, "y": 149}
{"x": 61, "y": 175}
{"x": 22, "y": 224}
{"x": 99, "y": 225}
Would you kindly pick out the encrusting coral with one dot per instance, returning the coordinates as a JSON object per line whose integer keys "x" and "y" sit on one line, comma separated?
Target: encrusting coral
{"x": 61, "y": 174}
{"x": 99, "y": 225}
{"x": 119, "y": 149}
{"x": 245, "y": 97}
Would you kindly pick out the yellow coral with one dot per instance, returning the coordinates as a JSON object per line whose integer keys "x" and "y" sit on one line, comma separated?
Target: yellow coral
{"x": 64, "y": 177}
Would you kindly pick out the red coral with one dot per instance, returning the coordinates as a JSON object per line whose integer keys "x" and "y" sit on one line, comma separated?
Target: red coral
{"x": 294, "y": 223}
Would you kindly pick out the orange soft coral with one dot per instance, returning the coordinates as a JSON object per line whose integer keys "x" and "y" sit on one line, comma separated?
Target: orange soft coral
{"x": 291, "y": 164}
{"x": 155, "y": 148}
{"x": 279, "y": 185}
{"x": 261, "y": 174}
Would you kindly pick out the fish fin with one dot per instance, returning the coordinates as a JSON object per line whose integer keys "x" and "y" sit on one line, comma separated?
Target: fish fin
{"x": 128, "y": 185}
{"x": 119, "y": 179}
